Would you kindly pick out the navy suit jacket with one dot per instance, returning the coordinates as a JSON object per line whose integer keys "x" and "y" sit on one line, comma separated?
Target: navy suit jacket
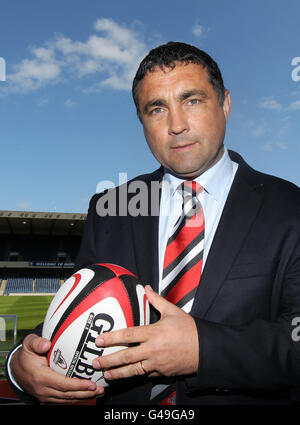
{"x": 247, "y": 298}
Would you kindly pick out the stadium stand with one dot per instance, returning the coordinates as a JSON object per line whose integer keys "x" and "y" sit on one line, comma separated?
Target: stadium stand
{"x": 37, "y": 254}
{"x": 47, "y": 285}
{"x": 37, "y": 250}
{"x": 19, "y": 285}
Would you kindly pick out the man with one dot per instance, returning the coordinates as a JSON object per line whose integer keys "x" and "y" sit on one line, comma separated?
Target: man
{"x": 233, "y": 343}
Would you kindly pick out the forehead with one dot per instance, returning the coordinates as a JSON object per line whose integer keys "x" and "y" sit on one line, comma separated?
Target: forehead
{"x": 181, "y": 77}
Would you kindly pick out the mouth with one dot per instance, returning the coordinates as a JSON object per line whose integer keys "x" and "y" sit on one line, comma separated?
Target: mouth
{"x": 184, "y": 147}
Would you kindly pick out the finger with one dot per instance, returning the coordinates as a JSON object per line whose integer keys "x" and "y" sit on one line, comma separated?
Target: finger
{"x": 128, "y": 371}
{"x": 60, "y": 388}
{"x": 57, "y": 397}
{"x": 65, "y": 384}
{"x": 125, "y": 336}
{"x": 76, "y": 394}
{"x": 120, "y": 358}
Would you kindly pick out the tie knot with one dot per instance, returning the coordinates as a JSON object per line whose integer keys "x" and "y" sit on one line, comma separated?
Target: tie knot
{"x": 190, "y": 187}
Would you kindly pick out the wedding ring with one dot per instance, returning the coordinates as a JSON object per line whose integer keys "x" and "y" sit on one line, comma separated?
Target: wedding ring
{"x": 143, "y": 367}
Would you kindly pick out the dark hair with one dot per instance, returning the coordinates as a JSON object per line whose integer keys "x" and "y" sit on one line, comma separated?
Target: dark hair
{"x": 167, "y": 54}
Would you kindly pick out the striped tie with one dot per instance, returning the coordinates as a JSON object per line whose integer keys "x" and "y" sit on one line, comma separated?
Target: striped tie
{"x": 182, "y": 266}
{"x": 183, "y": 257}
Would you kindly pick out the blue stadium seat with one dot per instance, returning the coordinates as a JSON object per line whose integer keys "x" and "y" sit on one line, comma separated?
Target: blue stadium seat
{"x": 47, "y": 284}
{"x": 19, "y": 285}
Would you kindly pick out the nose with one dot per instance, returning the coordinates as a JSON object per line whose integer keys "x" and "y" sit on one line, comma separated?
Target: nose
{"x": 178, "y": 122}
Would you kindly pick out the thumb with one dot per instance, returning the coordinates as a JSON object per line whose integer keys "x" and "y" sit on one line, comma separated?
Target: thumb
{"x": 158, "y": 302}
{"x": 37, "y": 344}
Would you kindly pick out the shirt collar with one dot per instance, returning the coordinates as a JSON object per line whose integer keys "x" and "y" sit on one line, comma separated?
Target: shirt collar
{"x": 214, "y": 180}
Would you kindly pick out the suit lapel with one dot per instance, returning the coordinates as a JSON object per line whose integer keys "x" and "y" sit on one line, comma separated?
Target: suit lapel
{"x": 241, "y": 208}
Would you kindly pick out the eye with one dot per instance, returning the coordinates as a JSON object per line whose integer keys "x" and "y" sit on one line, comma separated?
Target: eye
{"x": 156, "y": 111}
{"x": 194, "y": 101}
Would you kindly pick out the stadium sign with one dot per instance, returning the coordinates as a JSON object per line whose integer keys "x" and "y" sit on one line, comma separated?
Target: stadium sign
{"x": 50, "y": 264}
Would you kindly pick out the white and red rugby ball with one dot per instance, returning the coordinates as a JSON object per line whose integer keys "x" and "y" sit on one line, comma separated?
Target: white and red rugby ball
{"x": 99, "y": 298}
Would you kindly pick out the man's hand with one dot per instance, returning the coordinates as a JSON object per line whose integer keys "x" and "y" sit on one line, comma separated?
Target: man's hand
{"x": 31, "y": 371}
{"x": 168, "y": 347}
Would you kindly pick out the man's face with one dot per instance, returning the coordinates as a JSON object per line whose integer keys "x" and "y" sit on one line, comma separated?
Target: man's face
{"x": 184, "y": 123}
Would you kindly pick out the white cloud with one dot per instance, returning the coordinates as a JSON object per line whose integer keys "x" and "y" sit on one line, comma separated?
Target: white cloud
{"x": 112, "y": 54}
{"x": 69, "y": 103}
{"x": 30, "y": 74}
{"x": 199, "y": 30}
{"x": 42, "y": 102}
{"x": 267, "y": 147}
{"x": 281, "y": 145}
{"x": 259, "y": 131}
{"x": 284, "y": 129}
{"x": 272, "y": 146}
{"x": 270, "y": 103}
{"x": 294, "y": 106}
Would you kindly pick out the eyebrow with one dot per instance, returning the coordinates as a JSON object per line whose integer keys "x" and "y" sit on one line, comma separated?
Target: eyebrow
{"x": 182, "y": 96}
{"x": 152, "y": 103}
{"x": 189, "y": 93}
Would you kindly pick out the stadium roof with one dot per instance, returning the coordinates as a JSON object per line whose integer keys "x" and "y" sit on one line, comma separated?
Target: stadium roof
{"x": 41, "y": 223}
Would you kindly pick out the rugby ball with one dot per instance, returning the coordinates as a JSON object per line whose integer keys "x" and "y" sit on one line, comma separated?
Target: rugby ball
{"x": 97, "y": 299}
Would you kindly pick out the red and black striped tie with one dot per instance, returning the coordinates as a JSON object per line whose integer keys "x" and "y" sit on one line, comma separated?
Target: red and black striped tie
{"x": 184, "y": 252}
{"x": 183, "y": 263}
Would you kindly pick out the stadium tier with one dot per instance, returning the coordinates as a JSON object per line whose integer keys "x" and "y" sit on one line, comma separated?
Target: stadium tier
{"x": 37, "y": 250}
{"x": 47, "y": 285}
{"x": 37, "y": 254}
{"x": 19, "y": 285}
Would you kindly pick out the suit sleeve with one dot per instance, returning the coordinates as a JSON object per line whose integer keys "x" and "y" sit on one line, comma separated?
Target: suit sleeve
{"x": 87, "y": 251}
{"x": 259, "y": 356}
{"x": 25, "y": 397}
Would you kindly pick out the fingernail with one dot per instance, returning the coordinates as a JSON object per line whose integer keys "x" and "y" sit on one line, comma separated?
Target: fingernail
{"x": 44, "y": 344}
{"x": 99, "y": 341}
{"x": 100, "y": 391}
{"x": 107, "y": 375}
{"x": 149, "y": 287}
{"x": 92, "y": 387}
{"x": 96, "y": 364}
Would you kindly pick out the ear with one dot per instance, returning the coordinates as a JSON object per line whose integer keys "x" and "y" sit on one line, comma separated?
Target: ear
{"x": 227, "y": 105}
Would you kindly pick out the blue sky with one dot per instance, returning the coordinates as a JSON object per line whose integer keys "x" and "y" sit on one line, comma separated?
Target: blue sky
{"x": 67, "y": 120}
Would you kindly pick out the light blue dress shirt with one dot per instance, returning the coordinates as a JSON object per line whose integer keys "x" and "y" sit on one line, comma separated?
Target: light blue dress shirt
{"x": 216, "y": 182}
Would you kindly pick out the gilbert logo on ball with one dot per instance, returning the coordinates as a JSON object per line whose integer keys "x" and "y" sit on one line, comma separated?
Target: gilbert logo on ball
{"x": 97, "y": 299}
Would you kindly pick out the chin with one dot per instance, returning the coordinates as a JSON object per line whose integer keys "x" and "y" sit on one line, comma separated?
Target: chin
{"x": 185, "y": 174}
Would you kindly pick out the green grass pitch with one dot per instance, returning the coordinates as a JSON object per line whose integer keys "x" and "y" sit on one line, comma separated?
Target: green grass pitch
{"x": 31, "y": 310}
